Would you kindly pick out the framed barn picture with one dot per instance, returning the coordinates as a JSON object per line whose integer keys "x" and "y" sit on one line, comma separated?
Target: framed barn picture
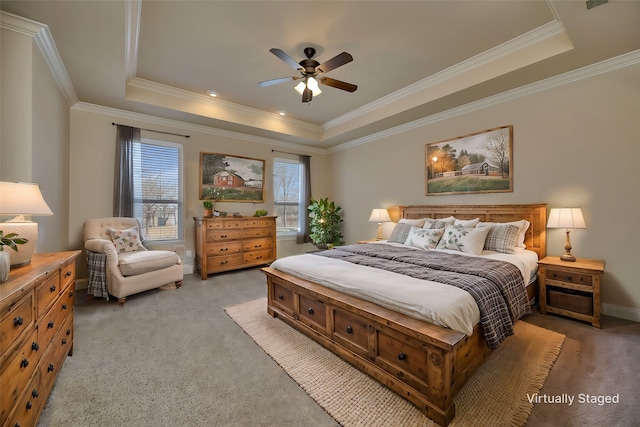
{"x": 481, "y": 162}
{"x": 226, "y": 178}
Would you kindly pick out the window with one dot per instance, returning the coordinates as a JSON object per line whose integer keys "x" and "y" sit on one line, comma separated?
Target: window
{"x": 287, "y": 179}
{"x": 158, "y": 203}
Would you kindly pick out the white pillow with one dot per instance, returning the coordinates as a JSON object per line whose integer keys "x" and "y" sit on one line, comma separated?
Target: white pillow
{"x": 470, "y": 240}
{"x": 438, "y": 222}
{"x": 423, "y": 238}
{"x": 467, "y": 223}
{"x": 523, "y": 226}
{"x": 126, "y": 240}
{"x": 417, "y": 222}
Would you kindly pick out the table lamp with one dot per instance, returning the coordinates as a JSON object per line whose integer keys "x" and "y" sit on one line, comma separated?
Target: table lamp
{"x": 379, "y": 216}
{"x": 21, "y": 198}
{"x": 566, "y": 218}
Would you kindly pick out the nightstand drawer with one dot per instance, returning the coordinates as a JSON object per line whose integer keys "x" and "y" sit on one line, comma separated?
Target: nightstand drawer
{"x": 569, "y": 277}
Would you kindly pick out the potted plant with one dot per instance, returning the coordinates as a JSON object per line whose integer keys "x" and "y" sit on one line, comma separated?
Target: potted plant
{"x": 208, "y": 208}
{"x": 12, "y": 240}
{"x": 324, "y": 224}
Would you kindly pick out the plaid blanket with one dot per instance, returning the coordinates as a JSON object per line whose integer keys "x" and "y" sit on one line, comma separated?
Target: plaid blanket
{"x": 497, "y": 286}
{"x": 97, "y": 265}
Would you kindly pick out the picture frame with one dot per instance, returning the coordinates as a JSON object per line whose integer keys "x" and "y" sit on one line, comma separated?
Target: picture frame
{"x": 481, "y": 162}
{"x": 229, "y": 178}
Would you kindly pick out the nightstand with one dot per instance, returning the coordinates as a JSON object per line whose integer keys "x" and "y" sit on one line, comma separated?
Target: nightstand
{"x": 571, "y": 289}
{"x": 367, "y": 241}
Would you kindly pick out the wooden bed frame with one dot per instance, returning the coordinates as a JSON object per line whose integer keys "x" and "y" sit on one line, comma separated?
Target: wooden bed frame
{"x": 424, "y": 363}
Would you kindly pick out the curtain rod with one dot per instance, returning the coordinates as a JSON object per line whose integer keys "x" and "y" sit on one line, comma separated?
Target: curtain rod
{"x": 156, "y": 131}
{"x": 286, "y": 152}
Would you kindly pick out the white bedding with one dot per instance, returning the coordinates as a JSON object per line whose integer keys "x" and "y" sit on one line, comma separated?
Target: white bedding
{"x": 436, "y": 303}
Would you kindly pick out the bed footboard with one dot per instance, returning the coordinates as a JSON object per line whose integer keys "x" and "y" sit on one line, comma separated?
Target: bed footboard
{"x": 424, "y": 363}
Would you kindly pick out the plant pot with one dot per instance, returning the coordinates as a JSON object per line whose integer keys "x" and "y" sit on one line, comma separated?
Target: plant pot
{"x": 5, "y": 266}
{"x": 208, "y": 213}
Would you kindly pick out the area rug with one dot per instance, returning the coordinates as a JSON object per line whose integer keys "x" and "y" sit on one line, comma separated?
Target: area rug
{"x": 495, "y": 395}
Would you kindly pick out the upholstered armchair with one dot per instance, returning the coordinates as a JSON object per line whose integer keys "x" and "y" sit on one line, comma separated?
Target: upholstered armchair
{"x": 120, "y": 264}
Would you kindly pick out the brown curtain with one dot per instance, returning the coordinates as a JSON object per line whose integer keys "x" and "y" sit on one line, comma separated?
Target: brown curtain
{"x": 126, "y": 137}
{"x": 304, "y": 201}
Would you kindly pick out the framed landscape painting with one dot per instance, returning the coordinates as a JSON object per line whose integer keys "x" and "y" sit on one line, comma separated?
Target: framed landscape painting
{"x": 226, "y": 178}
{"x": 481, "y": 162}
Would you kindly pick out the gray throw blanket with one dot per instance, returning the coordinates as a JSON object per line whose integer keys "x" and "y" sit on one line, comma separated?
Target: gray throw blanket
{"x": 496, "y": 286}
{"x": 97, "y": 264}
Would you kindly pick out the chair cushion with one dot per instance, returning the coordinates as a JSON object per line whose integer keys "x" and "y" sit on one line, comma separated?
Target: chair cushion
{"x": 140, "y": 262}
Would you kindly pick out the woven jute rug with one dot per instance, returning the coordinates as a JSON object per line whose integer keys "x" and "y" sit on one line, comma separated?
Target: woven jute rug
{"x": 496, "y": 395}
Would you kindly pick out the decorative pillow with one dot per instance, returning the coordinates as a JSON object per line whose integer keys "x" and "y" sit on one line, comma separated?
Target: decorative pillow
{"x": 502, "y": 238}
{"x": 523, "y": 226}
{"x": 417, "y": 222}
{"x": 470, "y": 240}
{"x": 126, "y": 240}
{"x": 466, "y": 223}
{"x": 423, "y": 238}
{"x": 400, "y": 232}
{"x": 438, "y": 223}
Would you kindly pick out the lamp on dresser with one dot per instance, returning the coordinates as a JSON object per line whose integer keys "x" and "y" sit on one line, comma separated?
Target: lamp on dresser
{"x": 379, "y": 216}
{"x": 566, "y": 218}
{"x": 19, "y": 199}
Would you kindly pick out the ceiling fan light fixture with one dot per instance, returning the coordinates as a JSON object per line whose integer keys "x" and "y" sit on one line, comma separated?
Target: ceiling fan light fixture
{"x": 310, "y": 83}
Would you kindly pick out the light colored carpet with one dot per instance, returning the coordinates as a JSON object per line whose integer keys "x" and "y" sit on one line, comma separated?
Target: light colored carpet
{"x": 496, "y": 394}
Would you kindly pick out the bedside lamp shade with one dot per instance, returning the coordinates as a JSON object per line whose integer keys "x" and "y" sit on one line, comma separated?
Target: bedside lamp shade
{"x": 566, "y": 218}
{"x": 379, "y": 216}
{"x": 20, "y": 198}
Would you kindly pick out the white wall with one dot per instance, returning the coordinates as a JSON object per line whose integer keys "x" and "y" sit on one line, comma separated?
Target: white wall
{"x": 574, "y": 146}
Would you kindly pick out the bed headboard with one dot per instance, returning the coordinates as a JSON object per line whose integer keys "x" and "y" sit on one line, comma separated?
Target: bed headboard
{"x": 536, "y": 236}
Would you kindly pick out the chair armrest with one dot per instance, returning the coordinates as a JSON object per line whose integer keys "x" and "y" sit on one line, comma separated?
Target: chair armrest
{"x": 106, "y": 247}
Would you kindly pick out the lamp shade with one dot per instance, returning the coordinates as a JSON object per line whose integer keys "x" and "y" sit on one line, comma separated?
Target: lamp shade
{"x": 566, "y": 218}
{"x": 379, "y": 215}
{"x": 310, "y": 83}
{"x": 22, "y": 198}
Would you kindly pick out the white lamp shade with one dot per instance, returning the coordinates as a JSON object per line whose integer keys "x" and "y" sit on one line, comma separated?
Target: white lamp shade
{"x": 311, "y": 83}
{"x": 22, "y": 198}
{"x": 566, "y": 218}
{"x": 379, "y": 215}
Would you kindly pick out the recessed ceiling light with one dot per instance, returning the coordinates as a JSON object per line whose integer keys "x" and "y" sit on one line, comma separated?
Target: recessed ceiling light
{"x": 212, "y": 93}
{"x": 282, "y": 113}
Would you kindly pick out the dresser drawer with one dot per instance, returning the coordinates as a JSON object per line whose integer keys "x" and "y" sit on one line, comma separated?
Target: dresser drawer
{"x": 403, "y": 356}
{"x": 15, "y": 319}
{"x": 225, "y": 248}
{"x": 67, "y": 274}
{"x": 16, "y": 372}
{"x": 250, "y": 223}
{"x": 52, "y": 320}
{"x": 217, "y": 236}
{"x": 283, "y": 298}
{"x": 256, "y": 232}
{"x": 222, "y": 263}
{"x": 28, "y": 408}
{"x": 47, "y": 292}
{"x": 258, "y": 257}
{"x": 351, "y": 330}
{"x": 257, "y": 244}
{"x": 569, "y": 277}
{"x": 55, "y": 355}
{"x": 313, "y": 313}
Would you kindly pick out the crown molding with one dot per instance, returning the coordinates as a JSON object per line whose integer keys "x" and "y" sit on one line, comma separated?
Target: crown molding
{"x": 190, "y": 127}
{"x": 603, "y": 67}
{"x": 47, "y": 47}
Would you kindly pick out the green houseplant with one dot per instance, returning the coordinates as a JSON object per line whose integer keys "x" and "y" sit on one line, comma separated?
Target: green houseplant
{"x": 324, "y": 223}
{"x": 208, "y": 208}
{"x": 12, "y": 240}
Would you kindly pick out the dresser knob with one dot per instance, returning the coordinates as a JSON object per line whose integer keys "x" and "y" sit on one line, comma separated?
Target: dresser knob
{"x": 281, "y": 296}
{"x": 64, "y": 341}
{"x": 567, "y": 278}
{"x": 34, "y": 393}
{"x": 349, "y": 329}
{"x": 70, "y": 294}
{"x": 52, "y": 288}
{"x": 24, "y": 363}
{"x": 18, "y": 321}
{"x": 402, "y": 356}
{"x": 310, "y": 310}
{"x": 68, "y": 274}
{"x": 64, "y": 306}
{"x": 35, "y": 346}
{"x": 29, "y": 405}
{"x": 50, "y": 368}
{"x": 68, "y": 331}
{"x": 50, "y": 325}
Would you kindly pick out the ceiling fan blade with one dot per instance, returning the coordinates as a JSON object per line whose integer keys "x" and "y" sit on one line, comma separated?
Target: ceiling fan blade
{"x": 338, "y": 84}
{"x": 286, "y": 58}
{"x": 277, "y": 81}
{"x": 335, "y": 62}
{"x": 307, "y": 95}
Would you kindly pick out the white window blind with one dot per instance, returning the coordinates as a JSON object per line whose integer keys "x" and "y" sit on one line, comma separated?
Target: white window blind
{"x": 287, "y": 179}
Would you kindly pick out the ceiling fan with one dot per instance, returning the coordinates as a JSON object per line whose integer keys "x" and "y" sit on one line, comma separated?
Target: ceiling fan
{"x": 312, "y": 72}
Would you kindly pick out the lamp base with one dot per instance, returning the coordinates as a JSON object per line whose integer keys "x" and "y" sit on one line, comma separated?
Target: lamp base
{"x": 568, "y": 257}
{"x": 27, "y": 230}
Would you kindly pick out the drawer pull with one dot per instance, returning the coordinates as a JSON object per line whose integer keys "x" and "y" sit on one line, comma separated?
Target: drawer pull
{"x": 24, "y": 363}
{"x": 50, "y": 325}
{"x": 349, "y": 329}
{"x": 50, "y": 368}
{"x": 34, "y": 393}
{"x": 281, "y": 297}
{"x": 64, "y": 341}
{"x": 310, "y": 310}
{"x": 567, "y": 278}
{"x": 64, "y": 306}
{"x": 70, "y": 294}
{"x": 29, "y": 405}
{"x": 402, "y": 356}
{"x": 35, "y": 346}
{"x": 18, "y": 321}
{"x": 68, "y": 331}
{"x": 68, "y": 274}
{"x": 52, "y": 288}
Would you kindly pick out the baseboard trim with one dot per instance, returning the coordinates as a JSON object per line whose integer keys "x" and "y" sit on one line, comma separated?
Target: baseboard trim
{"x": 628, "y": 313}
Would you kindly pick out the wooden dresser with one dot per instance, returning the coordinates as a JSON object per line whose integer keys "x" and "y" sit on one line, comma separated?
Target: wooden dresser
{"x": 224, "y": 244}
{"x": 36, "y": 334}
